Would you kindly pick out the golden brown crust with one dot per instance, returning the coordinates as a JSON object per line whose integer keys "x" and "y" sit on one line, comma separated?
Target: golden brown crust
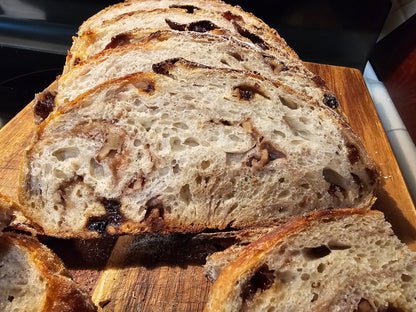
{"x": 63, "y": 294}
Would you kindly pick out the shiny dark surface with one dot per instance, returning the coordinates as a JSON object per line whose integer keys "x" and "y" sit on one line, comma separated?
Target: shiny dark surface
{"x": 36, "y": 34}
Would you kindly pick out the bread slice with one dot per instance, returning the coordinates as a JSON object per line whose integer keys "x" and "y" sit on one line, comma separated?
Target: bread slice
{"x": 187, "y": 148}
{"x": 332, "y": 260}
{"x": 33, "y": 278}
{"x": 201, "y": 16}
{"x": 138, "y": 54}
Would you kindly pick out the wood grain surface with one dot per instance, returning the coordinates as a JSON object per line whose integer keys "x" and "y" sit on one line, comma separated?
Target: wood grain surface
{"x": 122, "y": 275}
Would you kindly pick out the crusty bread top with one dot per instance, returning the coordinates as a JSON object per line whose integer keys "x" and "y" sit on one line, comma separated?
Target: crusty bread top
{"x": 203, "y": 147}
{"x": 233, "y": 12}
{"x": 96, "y": 39}
{"x": 272, "y": 255}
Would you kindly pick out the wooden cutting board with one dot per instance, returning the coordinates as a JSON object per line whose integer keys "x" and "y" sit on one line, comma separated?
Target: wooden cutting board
{"x": 120, "y": 273}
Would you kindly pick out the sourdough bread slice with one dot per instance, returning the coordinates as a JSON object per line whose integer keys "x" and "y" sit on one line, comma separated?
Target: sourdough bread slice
{"x": 33, "y": 278}
{"x": 187, "y": 148}
{"x": 138, "y": 54}
{"x": 336, "y": 260}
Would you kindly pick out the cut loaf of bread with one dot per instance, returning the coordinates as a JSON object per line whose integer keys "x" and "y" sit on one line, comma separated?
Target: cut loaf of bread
{"x": 33, "y": 279}
{"x": 187, "y": 148}
{"x": 337, "y": 260}
{"x": 96, "y": 33}
{"x": 138, "y": 54}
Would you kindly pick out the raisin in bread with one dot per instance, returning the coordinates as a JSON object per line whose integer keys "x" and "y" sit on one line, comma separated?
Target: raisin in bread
{"x": 336, "y": 260}
{"x": 138, "y": 54}
{"x": 187, "y": 148}
{"x": 32, "y": 278}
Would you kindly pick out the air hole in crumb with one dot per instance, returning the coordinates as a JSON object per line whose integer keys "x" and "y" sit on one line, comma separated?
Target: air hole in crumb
{"x": 66, "y": 153}
{"x": 338, "y": 246}
{"x": 224, "y": 62}
{"x": 176, "y": 145}
{"x": 180, "y": 125}
{"x": 58, "y": 173}
{"x": 406, "y": 278}
{"x": 279, "y": 133}
{"x": 305, "y": 185}
{"x": 321, "y": 267}
{"x": 96, "y": 170}
{"x": 235, "y": 55}
{"x": 205, "y": 164}
{"x": 284, "y": 194}
{"x": 305, "y": 276}
{"x": 191, "y": 142}
{"x": 288, "y": 102}
{"x": 198, "y": 179}
{"x": 316, "y": 252}
{"x": 175, "y": 169}
{"x": 185, "y": 194}
{"x": 305, "y": 120}
{"x": 315, "y": 297}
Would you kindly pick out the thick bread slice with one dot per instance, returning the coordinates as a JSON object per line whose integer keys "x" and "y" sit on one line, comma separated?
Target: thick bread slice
{"x": 139, "y": 54}
{"x": 32, "y": 278}
{"x": 239, "y": 21}
{"x": 188, "y": 148}
{"x": 336, "y": 260}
